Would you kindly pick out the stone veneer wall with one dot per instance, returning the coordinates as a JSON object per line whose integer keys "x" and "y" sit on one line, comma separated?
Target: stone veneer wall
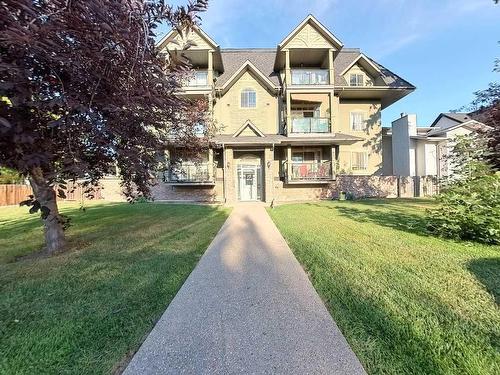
{"x": 355, "y": 186}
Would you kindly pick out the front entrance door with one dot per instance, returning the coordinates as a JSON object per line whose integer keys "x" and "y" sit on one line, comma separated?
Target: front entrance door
{"x": 249, "y": 182}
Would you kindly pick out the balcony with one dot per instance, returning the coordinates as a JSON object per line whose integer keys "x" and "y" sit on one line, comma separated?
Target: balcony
{"x": 310, "y": 77}
{"x": 310, "y": 125}
{"x": 199, "y": 79}
{"x": 310, "y": 172}
{"x": 189, "y": 173}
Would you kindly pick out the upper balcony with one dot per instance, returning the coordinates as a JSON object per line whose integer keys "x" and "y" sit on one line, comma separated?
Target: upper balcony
{"x": 310, "y": 77}
{"x": 198, "y": 81}
{"x": 310, "y": 125}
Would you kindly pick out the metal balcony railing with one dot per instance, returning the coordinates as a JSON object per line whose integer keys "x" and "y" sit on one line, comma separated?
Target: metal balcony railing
{"x": 191, "y": 173}
{"x": 310, "y": 171}
{"x": 310, "y": 125}
{"x": 310, "y": 77}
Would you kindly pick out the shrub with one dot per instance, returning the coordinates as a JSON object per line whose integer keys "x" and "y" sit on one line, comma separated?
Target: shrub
{"x": 469, "y": 211}
{"x": 469, "y": 204}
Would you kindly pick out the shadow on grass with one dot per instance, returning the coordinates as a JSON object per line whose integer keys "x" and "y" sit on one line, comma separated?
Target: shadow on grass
{"x": 393, "y": 216}
{"x": 487, "y": 272}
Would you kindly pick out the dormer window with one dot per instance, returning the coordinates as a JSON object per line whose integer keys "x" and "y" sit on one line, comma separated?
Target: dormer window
{"x": 356, "y": 79}
{"x": 248, "y": 98}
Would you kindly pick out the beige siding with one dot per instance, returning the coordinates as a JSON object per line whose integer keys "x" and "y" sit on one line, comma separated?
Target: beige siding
{"x": 194, "y": 37}
{"x": 230, "y": 116}
{"x": 372, "y": 135}
{"x": 308, "y": 37}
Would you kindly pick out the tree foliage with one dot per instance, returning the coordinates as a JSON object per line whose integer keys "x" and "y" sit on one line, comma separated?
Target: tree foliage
{"x": 469, "y": 204}
{"x": 84, "y": 89}
{"x": 9, "y": 176}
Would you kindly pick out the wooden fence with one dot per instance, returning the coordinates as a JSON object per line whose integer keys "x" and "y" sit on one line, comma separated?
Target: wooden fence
{"x": 14, "y": 194}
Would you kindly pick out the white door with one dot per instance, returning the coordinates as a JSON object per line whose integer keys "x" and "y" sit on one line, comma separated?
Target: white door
{"x": 248, "y": 183}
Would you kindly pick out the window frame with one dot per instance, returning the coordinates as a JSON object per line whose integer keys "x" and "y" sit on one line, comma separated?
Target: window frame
{"x": 363, "y": 121}
{"x": 363, "y": 168}
{"x": 357, "y": 83}
{"x": 247, "y": 91}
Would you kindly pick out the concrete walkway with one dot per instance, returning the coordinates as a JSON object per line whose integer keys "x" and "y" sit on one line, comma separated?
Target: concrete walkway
{"x": 247, "y": 308}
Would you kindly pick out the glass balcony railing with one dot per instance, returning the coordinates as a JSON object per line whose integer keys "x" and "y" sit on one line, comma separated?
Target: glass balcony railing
{"x": 190, "y": 173}
{"x": 310, "y": 77}
{"x": 311, "y": 171}
{"x": 200, "y": 78}
{"x": 310, "y": 125}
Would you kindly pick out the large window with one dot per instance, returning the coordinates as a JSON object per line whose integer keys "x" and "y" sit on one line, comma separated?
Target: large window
{"x": 359, "y": 161}
{"x": 357, "y": 121}
{"x": 200, "y": 78}
{"x": 356, "y": 79}
{"x": 248, "y": 98}
{"x": 306, "y": 156}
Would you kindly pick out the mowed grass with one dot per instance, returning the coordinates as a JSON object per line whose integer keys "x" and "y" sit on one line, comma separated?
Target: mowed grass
{"x": 408, "y": 303}
{"x": 87, "y": 310}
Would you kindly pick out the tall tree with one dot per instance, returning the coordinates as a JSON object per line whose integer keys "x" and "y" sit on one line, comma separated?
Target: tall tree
{"x": 83, "y": 90}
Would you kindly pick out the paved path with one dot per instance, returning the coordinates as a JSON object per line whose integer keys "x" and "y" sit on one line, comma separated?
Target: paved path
{"x": 247, "y": 308}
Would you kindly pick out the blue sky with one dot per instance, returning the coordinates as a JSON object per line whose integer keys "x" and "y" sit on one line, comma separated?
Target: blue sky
{"x": 444, "y": 47}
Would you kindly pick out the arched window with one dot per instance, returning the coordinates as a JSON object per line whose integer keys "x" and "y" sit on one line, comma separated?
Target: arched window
{"x": 248, "y": 98}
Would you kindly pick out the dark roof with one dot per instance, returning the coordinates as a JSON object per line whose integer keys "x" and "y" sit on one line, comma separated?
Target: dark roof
{"x": 263, "y": 59}
{"x": 456, "y": 116}
{"x": 277, "y": 139}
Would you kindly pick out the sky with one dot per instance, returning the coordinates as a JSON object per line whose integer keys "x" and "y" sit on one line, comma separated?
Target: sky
{"x": 446, "y": 48}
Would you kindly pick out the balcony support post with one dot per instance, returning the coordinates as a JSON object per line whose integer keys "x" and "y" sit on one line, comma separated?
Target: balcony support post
{"x": 288, "y": 113}
{"x": 331, "y": 104}
{"x": 333, "y": 159}
{"x": 288, "y": 72}
{"x": 289, "y": 163}
{"x": 211, "y": 168}
{"x": 330, "y": 67}
{"x": 210, "y": 72}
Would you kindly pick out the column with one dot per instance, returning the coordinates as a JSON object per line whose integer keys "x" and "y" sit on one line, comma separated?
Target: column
{"x": 332, "y": 110}
{"x": 332, "y": 156}
{"x": 268, "y": 174}
{"x": 211, "y": 167}
{"x": 330, "y": 67}
{"x": 288, "y": 162}
{"x": 229, "y": 183}
{"x": 288, "y": 72}
{"x": 210, "y": 68}
{"x": 288, "y": 112}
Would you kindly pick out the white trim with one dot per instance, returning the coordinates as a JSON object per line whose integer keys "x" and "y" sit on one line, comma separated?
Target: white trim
{"x": 364, "y": 57}
{"x": 196, "y": 29}
{"x": 248, "y": 65}
{"x": 310, "y": 18}
{"x": 249, "y": 124}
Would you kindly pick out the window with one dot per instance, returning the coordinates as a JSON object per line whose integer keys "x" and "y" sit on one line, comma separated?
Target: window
{"x": 359, "y": 161}
{"x": 357, "y": 121}
{"x": 356, "y": 80}
{"x": 308, "y": 156}
{"x": 248, "y": 98}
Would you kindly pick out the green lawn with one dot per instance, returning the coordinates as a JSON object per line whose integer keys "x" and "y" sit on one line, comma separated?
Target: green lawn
{"x": 84, "y": 311}
{"x": 406, "y": 302}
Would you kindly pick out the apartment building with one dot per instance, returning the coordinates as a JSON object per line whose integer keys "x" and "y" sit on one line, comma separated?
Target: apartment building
{"x": 291, "y": 120}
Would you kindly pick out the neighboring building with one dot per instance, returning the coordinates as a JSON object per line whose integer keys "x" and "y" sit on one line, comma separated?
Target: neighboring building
{"x": 291, "y": 119}
{"x": 410, "y": 150}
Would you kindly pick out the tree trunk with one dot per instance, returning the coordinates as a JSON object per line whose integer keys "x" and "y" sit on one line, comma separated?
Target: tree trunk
{"x": 53, "y": 228}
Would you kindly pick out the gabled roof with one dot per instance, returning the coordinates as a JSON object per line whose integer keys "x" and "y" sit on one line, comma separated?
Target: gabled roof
{"x": 172, "y": 33}
{"x": 365, "y": 62}
{"x": 260, "y": 62}
{"x": 455, "y": 116}
{"x": 248, "y": 125}
{"x": 310, "y": 19}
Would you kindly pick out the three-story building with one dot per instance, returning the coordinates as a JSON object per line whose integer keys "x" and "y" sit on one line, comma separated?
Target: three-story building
{"x": 290, "y": 120}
